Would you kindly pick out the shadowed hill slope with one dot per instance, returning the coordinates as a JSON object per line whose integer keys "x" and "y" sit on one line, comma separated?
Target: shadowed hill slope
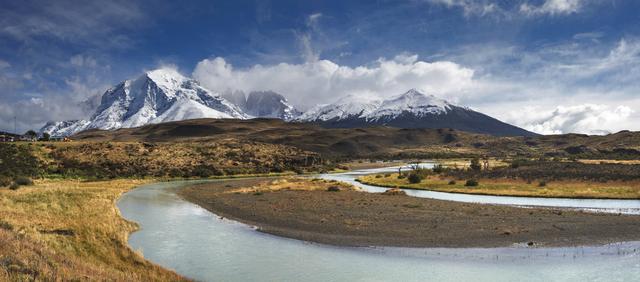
{"x": 377, "y": 141}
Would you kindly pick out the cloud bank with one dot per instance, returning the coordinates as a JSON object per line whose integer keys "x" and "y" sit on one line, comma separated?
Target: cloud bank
{"x": 487, "y": 7}
{"x": 585, "y": 118}
{"x": 324, "y": 81}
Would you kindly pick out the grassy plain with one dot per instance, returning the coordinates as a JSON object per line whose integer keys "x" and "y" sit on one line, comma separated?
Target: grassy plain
{"x": 513, "y": 187}
{"x": 70, "y": 230}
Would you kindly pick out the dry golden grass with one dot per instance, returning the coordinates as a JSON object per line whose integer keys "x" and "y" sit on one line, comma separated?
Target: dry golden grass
{"x": 628, "y": 162}
{"x": 64, "y": 230}
{"x": 507, "y": 187}
{"x": 293, "y": 184}
{"x": 464, "y": 163}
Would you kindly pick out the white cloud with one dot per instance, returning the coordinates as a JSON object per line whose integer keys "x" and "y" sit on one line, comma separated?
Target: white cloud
{"x": 487, "y": 7}
{"x": 552, "y": 7}
{"x": 83, "y": 61}
{"x": 585, "y": 118}
{"x": 89, "y": 22}
{"x": 312, "y": 20}
{"x": 470, "y": 7}
{"x": 324, "y": 81}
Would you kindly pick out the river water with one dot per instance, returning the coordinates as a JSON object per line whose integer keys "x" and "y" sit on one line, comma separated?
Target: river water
{"x": 599, "y": 205}
{"x": 198, "y": 244}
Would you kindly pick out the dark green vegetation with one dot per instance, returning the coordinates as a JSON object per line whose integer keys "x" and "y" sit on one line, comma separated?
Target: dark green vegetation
{"x": 17, "y": 164}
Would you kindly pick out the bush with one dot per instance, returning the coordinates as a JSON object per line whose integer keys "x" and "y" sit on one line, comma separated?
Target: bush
{"x": 14, "y": 186}
{"x": 438, "y": 168}
{"x": 471, "y": 182}
{"x": 452, "y": 182}
{"x": 24, "y": 181}
{"x": 333, "y": 189}
{"x": 475, "y": 164}
{"x": 414, "y": 178}
{"x": 542, "y": 183}
{"x": 387, "y": 175}
{"x": 5, "y": 181}
{"x": 378, "y": 176}
{"x": 401, "y": 176}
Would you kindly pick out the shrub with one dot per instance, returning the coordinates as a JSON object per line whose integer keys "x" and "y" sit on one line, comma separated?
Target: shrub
{"x": 5, "y": 181}
{"x": 401, "y": 176}
{"x": 414, "y": 178}
{"x": 542, "y": 183}
{"x": 438, "y": 168}
{"x": 471, "y": 182}
{"x": 475, "y": 164}
{"x": 387, "y": 175}
{"x": 333, "y": 189}
{"x": 378, "y": 176}
{"x": 24, "y": 181}
{"x": 452, "y": 182}
{"x": 14, "y": 186}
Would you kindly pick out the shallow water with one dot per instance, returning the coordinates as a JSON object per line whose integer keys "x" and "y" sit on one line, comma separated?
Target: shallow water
{"x": 196, "y": 243}
{"x": 599, "y": 205}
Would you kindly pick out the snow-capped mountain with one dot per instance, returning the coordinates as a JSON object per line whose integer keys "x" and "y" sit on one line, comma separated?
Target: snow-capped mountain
{"x": 269, "y": 104}
{"x": 165, "y": 95}
{"x": 412, "y": 109}
{"x": 348, "y": 107}
{"x": 64, "y": 128}
{"x": 157, "y": 96}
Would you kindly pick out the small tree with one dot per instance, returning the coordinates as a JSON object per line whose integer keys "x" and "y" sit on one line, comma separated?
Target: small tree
{"x": 475, "y": 164}
{"x": 31, "y": 134}
{"x": 414, "y": 178}
{"x": 471, "y": 182}
{"x": 46, "y": 136}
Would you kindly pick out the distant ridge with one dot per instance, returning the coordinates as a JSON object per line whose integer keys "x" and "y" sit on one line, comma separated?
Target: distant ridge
{"x": 411, "y": 109}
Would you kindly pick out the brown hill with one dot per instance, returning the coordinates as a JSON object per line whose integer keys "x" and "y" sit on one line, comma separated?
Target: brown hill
{"x": 381, "y": 142}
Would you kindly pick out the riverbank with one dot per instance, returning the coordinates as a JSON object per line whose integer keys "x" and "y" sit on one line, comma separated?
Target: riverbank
{"x": 574, "y": 189}
{"x": 70, "y": 230}
{"x": 353, "y": 218}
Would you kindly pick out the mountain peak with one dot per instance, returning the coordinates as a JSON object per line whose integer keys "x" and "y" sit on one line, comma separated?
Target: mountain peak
{"x": 166, "y": 77}
{"x": 412, "y": 101}
{"x": 269, "y": 104}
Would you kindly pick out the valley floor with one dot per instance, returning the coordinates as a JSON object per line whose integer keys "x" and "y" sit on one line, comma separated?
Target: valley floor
{"x": 305, "y": 209}
{"x": 70, "y": 230}
{"x": 514, "y": 187}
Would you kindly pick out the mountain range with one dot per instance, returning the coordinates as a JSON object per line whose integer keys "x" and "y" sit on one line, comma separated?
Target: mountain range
{"x": 165, "y": 95}
{"x": 411, "y": 109}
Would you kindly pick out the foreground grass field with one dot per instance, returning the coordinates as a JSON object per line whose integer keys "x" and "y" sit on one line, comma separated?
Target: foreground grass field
{"x": 61, "y": 230}
{"x": 508, "y": 187}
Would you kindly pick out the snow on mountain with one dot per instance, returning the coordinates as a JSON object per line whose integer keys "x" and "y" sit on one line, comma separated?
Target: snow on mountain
{"x": 184, "y": 109}
{"x": 413, "y": 102}
{"x": 165, "y": 95}
{"x": 156, "y": 95}
{"x": 64, "y": 128}
{"x": 269, "y": 104}
{"x": 412, "y": 109}
{"x": 351, "y": 106}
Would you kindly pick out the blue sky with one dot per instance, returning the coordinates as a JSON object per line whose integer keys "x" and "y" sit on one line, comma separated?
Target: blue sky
{"x": 551, "y": 66}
